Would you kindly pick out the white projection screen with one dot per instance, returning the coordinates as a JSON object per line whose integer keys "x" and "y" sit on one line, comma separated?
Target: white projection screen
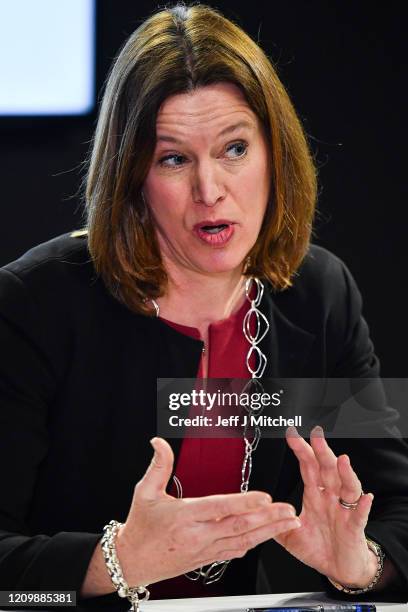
{"x": 47, "y": 50}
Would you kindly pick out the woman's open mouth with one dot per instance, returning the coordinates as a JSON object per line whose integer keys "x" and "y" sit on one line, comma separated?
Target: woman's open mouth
{"x": 214, "y": 234}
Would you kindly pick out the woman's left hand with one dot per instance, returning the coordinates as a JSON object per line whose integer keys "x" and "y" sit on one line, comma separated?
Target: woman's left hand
{"x": 331, "y": 538}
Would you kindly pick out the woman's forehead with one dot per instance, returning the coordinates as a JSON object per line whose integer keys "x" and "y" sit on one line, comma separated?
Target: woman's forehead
{"x": 214, "y": 107}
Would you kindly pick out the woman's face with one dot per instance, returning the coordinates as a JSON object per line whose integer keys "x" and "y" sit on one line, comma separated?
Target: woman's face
{"x": 208, "y": 184}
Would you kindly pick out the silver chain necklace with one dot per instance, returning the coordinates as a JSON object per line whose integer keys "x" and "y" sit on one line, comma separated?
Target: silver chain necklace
{"x": 214, "y": 571}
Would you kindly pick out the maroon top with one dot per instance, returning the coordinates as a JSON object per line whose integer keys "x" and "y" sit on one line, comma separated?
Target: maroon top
{"x": 200, "y": 459}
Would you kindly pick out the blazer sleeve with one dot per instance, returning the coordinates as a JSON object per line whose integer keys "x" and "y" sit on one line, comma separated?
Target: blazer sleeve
{"x": 28, "y": 381}
{"x": 381, "y": 463}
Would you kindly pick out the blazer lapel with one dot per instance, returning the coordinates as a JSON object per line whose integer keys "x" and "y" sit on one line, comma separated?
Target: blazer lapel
{"x": 286, "y": 345}
{"x": 178, "y": 357}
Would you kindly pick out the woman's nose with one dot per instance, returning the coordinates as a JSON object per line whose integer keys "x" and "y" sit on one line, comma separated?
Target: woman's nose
{"x": 207, "y": 187}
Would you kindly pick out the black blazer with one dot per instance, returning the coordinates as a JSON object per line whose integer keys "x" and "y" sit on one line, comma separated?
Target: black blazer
{"x": 78, "y": 377}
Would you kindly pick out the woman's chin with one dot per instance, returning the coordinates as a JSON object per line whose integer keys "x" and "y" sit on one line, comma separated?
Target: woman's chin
{"x": 221, "y": 266}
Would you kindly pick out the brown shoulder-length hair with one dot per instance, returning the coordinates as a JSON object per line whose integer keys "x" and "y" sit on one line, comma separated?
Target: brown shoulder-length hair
{"x": 174, "y": 51}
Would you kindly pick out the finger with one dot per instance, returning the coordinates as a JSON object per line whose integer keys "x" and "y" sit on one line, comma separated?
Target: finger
{"x": 351, "y": 488}
{"x": 357, "y": 518}
{"x": 361, "y": 513}
{"x": 219, "y": 506}
{"x": 326, "y": 459}
{"x": 154, "y": 482}
{"x": 250, "y": 539}
{"x": 308, "y": 464}
{"x": 242, "y": 523}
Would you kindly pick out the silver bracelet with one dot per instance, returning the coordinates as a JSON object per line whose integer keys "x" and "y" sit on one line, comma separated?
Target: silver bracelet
{"x": 115, "y": 571}
{"x": 377, "y": 550}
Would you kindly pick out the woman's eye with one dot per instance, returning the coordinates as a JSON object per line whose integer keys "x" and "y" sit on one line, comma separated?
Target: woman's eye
{"x": 171, "y": 161}
{"x": 235, "y": 150}
{"x": 238, "y": 149}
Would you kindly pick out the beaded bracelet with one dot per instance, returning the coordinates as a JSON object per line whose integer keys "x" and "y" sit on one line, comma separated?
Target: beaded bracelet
{"x": 377, "y": 550}
{"x": 115, "y": 571}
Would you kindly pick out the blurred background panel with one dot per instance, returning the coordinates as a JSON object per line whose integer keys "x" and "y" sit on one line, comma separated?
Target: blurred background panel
{"x": 42, "y": 72}
{"x": 344, "y": 66}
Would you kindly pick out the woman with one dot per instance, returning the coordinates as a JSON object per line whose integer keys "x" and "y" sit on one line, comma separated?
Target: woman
{"x": 200, "y": 179}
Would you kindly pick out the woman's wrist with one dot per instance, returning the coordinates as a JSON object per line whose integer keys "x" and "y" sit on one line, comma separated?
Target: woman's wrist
{"x": 364, "y": 579}
{"x": 134, "y": 593}
{"x": 125, "y": 552}
{"x": 97, "y": 581}
{"x": 372, "y": 575}
{"x": 372, "y": 569}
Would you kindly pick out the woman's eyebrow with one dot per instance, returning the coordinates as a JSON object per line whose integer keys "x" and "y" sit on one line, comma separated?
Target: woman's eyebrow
{"x": 236, "y": 126}
{"x": 224, "y": 131}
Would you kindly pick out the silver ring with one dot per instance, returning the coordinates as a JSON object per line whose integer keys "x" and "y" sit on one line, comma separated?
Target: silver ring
{"x": 350, "y": 505}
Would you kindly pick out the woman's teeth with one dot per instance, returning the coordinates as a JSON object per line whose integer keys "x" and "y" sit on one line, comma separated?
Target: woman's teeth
{"x": 213, "y": 229}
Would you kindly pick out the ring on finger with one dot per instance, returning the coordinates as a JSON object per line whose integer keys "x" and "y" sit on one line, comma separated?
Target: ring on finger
{"x": 350, "y": 505}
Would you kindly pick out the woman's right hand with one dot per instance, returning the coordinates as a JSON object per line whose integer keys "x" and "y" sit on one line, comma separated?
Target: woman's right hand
{"x": 164, "y": 537}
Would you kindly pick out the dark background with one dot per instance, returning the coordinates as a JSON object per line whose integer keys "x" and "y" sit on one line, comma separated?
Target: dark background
{"x": 344, "y": 66}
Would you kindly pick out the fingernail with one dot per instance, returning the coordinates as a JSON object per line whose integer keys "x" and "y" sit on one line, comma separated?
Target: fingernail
{"x": 296, "y": 523}
{"x": 292, "y": 432}
{"x": 318, "y": 431}
{"x": 267, "y": 499}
